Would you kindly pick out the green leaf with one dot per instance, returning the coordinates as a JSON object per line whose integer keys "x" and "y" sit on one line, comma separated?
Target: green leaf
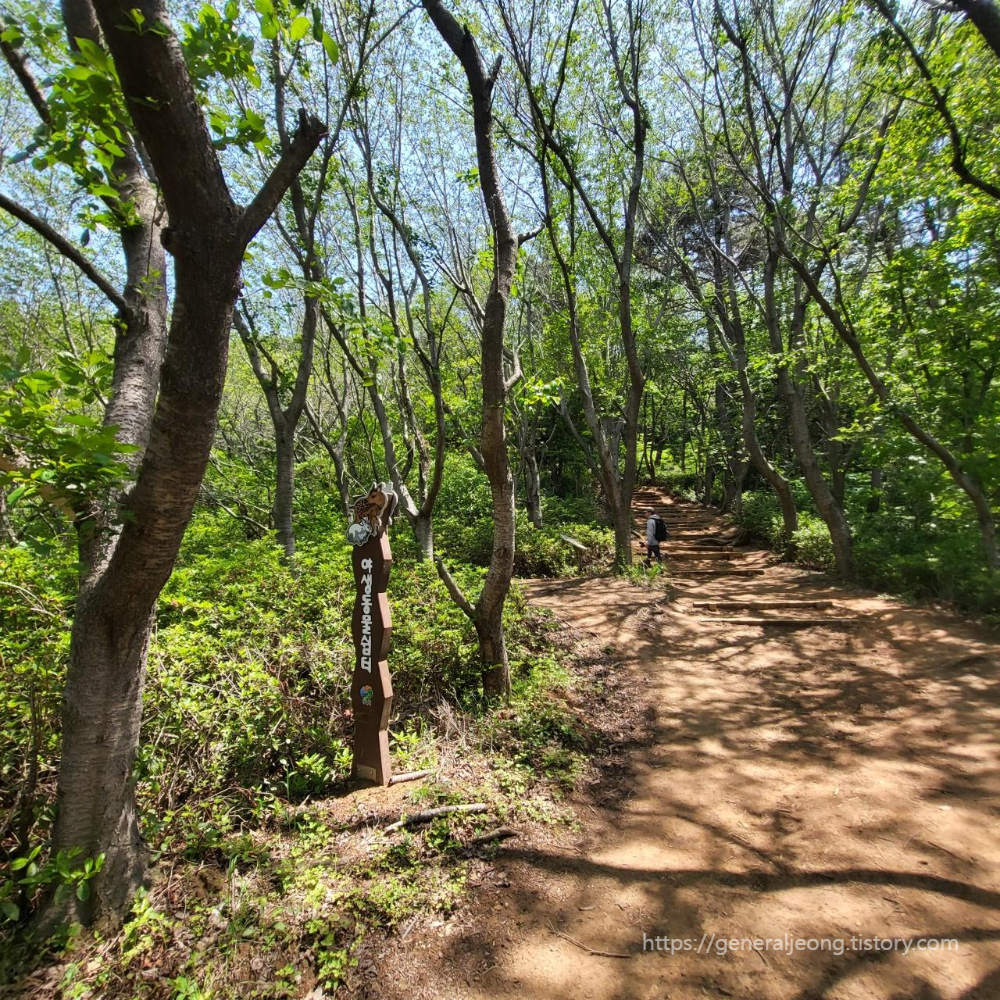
{"x": 331, "y": 47}
{"x": 83, "y": 891}
{"x": 9, "y": 910}
{"x": 103, "y": 191}
{"x": 92, "y": 53}
{"x": 300, "y": 28}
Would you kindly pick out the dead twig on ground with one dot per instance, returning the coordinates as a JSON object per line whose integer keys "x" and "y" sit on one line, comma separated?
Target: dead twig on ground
{"x": 398, "y": 779}
{"x": 590, "y": 951}
{"x": 428, "y": 814}
{"x": 500, "y": 833}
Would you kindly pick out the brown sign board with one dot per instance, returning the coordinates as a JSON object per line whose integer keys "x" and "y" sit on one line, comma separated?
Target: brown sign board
{"x": 371, "y": 688}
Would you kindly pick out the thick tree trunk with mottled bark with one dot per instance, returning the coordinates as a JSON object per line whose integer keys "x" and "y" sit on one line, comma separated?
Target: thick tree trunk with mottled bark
{"x": 208, "y": 234}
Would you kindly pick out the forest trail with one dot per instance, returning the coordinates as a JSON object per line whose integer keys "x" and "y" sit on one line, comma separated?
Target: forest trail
{"x": 829, "y": 781}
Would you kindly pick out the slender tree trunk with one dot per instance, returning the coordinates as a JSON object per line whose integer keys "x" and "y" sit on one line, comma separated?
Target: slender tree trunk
{"x": 533, "y": 488}
{"x": 489, "y": 607}
{"x": 423, "y": 531}
{"x": 798, "y": 423}
{"x": 740, "y": 471}
{"x": 284, "y": 492}
{"x": 965, "y": 481}
{"x": 335, "y": 450}
{"x": 488, "y": 611}
{"x": 6, "y": 528}
{"x": 777, "y": 482}
{"x": 875, "y": 499}
{"x": 838, "y": 485}
{"x": 819, "y": 490}
{"x": 709, "y": 482}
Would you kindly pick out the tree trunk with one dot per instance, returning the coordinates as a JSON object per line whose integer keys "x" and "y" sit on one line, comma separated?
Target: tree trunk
{"x": 739, "y": 478}
{"x": 709, "y": 481}
{"x": 838, "y": 486}
{"x": 102, "y": 715}
{"x": 621, "y": 516}
{"x": 6, "y": 528}
{"x": 423, "y": 531}
{"x": 826, "y": 504}
{"x": 342, "y": 487}
{"x": 533, "y": 488}
{"x": 875, "y": 498}
{"x": 493, "y": 655}
{"x": 110, "y": 635}
{"x": 968, "y": 483}
{"x": 489, "y": 608}
{"x": 985, "y": 15}
{"x": 488, "y": 612}
{"x": 777, "y": 482}
{"x": 284, "y": 492}
{"x": 208, "y": 235}
{"x": 798, "y": 421}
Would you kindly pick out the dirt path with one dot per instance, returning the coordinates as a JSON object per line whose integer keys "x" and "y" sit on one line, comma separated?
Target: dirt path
{"x": 831, "y": 781}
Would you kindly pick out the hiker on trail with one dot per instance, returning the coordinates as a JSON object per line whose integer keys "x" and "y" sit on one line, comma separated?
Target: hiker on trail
{"x": 656, "y": 532}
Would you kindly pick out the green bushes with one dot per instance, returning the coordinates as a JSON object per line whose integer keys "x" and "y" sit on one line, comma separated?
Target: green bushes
{"x": 247, "y": 697}
{"x": 539, "y": 552}
{"x": 760, "y": 514}
{"x": 813, "y": 547}
{"x": 921, "y": 555}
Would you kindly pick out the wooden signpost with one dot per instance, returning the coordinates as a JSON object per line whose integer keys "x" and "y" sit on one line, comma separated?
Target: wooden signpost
{"x": 371, "y": 689}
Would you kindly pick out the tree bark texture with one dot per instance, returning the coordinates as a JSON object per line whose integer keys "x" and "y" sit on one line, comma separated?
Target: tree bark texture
{"x": 493, "y": 445}
{"x": 207, "y": 235}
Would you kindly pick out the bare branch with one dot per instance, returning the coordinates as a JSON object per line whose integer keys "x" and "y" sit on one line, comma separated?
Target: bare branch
{"x": 67, "y": 249}
{"x": 453, "y": 589}
{"x": 307, "y": 137}
{"x": 25, "y": 77}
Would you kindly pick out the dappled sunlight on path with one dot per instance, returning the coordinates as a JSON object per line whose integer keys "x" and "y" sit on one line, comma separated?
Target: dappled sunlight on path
{"x": 824, "y": 781}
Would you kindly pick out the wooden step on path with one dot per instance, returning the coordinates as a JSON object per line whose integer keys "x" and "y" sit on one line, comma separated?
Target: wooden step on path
{"x": 674, "y": 530}
{"x": 697, "y": 551}
{"x": 705, "y": 553}
{"x": 727, "y": 571}
{"x": 763, "y": 605}
{"x": 692, "y": 535}
{"x": 793, "y": 622}
{"x": 698, "y": 545}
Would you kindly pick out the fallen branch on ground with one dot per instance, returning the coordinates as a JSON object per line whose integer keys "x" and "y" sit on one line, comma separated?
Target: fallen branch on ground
{"x": 398, "y": 779}
{"x": 589, "y": 951}
{"x": 500, "y": 833}
{"x": 428, "y": 814}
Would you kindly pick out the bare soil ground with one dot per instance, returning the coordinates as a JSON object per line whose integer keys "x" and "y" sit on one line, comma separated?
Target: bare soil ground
{"x": 833, "y": 781}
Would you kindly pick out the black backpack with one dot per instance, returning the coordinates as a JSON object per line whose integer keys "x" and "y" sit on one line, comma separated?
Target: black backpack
{"x": 660, "y": 529}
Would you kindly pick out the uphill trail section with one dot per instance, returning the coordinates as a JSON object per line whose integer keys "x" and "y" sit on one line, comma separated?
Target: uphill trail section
{"x": 821, "y": 773}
